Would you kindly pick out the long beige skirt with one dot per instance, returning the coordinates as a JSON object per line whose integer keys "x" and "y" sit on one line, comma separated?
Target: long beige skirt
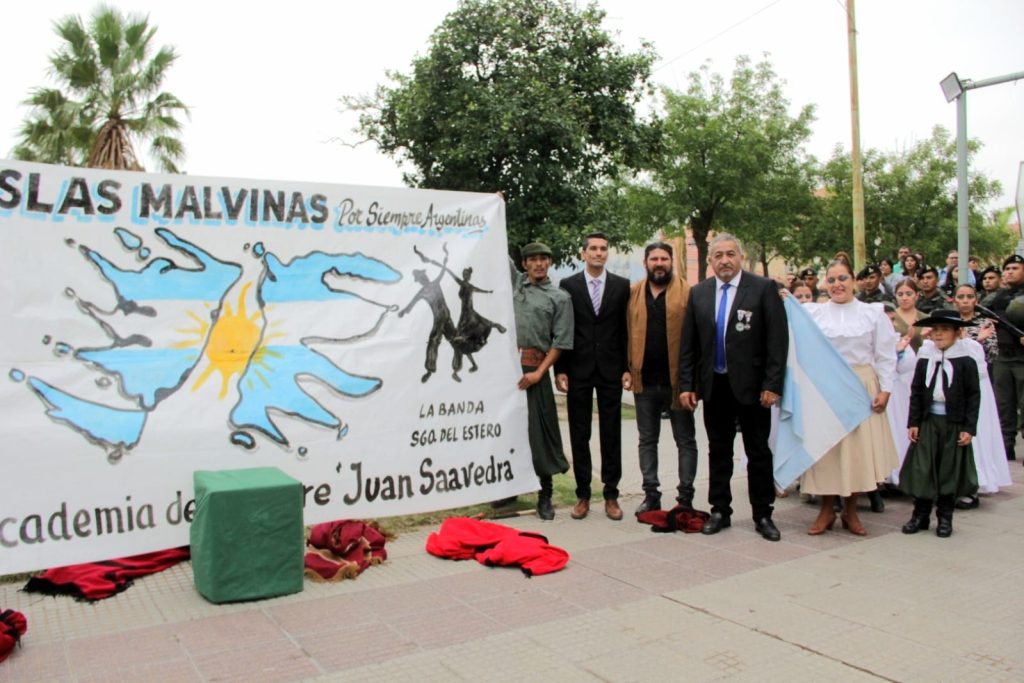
{"x": 866, "y": 456}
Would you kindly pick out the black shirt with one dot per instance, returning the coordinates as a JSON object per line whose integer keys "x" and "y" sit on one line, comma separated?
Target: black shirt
{"x": 655, "y": 370}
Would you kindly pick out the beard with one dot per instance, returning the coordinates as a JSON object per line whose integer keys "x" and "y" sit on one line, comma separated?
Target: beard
{"x": 660, "y": 276}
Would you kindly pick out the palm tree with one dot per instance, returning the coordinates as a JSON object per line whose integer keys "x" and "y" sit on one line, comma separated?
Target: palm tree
{"x": 108, "y": 96}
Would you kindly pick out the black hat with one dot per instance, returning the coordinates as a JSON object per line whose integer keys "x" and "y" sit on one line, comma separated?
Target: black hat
{"x": 942, "y": 316}
{"x": 926, "y": 270}
{"x": 808, "y": 272}
{"x": 867, "y": 270}
{"x": 990, "y": 269}
{"x": 1015, "y": 258}
{"x": 536, "y": 249}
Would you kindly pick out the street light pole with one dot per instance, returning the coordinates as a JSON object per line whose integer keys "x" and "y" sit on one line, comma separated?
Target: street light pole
{"x": 955, "y": 89}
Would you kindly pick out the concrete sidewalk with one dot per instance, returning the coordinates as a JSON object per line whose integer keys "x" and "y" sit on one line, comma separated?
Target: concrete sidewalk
{"x": 631, "y": 606}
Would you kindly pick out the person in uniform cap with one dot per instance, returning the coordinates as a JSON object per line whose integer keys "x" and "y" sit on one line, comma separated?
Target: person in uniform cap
{"x": 991, "y": 280}
{"x": 931, "y": 297}
{"x": 1008, "y": 366}
{"x": 543, "y": 330}
{"x": 810, "y": 276}
{"x": 870, "y": 280}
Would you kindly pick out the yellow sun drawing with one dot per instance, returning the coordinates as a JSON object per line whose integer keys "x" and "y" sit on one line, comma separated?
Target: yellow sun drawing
{"x": 233, "y": 342}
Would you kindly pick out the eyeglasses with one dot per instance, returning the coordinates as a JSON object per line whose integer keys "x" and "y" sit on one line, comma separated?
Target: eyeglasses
{"x": 841, "y": 278}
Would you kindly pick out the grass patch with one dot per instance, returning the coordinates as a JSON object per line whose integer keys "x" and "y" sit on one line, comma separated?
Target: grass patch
{"x": 564, "y": 494}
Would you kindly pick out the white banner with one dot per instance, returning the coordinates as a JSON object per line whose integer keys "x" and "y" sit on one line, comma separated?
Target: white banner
{"x": 154, "y": 325}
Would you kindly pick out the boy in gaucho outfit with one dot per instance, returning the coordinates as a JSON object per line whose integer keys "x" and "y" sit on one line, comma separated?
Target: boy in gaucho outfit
{"x": 944, "y": 401}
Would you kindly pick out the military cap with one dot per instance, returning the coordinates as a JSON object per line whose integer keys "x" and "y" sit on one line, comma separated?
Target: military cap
{"x": 867, "y": 270}
{"x": 536, "y": 249}
{"x": 1015, "y": 258}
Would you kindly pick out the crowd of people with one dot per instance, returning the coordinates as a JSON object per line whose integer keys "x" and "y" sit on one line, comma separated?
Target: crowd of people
{"x": 942, "y": 364}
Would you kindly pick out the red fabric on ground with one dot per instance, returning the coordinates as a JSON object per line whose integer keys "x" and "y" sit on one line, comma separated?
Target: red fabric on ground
{"x": 678, "y": 518}
{"x": 12, "y": 627}
{"x": 343, "y": 549}
{"x": 99, "y": 580}
{"x": 461, "y": 538}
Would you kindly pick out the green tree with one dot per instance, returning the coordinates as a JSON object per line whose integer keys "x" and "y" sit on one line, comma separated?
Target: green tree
{"x": 107, "y": 96}
{"x": 732, "y": 159}
{"x": 909, "y": 198}
{"x": 531, "y": 98}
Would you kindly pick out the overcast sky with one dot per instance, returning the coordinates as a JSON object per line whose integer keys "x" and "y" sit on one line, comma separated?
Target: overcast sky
{"x": 263, "y": 79}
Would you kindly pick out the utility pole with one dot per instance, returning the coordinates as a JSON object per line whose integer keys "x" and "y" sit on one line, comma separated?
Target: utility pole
{"x": 859, "y": 250}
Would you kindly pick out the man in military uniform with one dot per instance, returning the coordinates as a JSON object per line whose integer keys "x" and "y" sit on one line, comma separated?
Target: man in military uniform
{"x": 810, "y": 278}
{"x": 1008, "y": 367}
{"x": 544, "y": 328}
{"x": 931, "y": 297}
{"x": 869, "y": 281}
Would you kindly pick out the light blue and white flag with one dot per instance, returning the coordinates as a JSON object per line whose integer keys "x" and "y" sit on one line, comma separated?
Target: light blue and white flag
{"x": 822, "y": 399}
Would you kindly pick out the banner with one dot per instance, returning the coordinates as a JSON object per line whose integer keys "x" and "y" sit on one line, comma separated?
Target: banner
{"x": 361, "y": 339}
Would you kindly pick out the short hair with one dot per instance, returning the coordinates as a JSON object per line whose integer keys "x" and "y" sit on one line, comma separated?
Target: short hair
{"x": 726, "y": 237}
{"x": 658, "y": 245}
{"x": 594, "y": 235}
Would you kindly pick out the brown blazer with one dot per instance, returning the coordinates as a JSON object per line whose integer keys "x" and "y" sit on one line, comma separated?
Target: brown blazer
{"x": 676, "y": 296}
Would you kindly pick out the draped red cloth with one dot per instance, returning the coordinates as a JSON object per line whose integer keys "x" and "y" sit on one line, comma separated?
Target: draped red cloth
{"x": 462, "y": 538}
{"x": 679, "y": 518}
{"x": 343, "y": 549}
{"x": 12, "y": 627}
{"x": 98, "y": 580}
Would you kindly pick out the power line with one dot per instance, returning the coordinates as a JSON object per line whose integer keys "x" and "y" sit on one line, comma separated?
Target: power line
{"x": 716, "y": 36}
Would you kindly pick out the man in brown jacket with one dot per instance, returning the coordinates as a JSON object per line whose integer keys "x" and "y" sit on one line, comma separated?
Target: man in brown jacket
{"x": 657, "y": 306}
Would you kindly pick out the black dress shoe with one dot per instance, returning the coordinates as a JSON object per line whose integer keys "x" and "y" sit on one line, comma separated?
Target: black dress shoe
{"x": 716, "y": 522}
{"x": 648, "y": 505}
{"x": 766, "y": 527}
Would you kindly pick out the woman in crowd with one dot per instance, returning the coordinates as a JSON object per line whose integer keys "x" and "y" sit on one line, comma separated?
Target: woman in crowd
{"x": 989, "y": 451}
{"x": 802, "y": 292}
{"x": 889, "y": 278}
{"x": 907, "y": 313}
{"x": 911, "y": 267}
{"x": 866, "y": 456}
{"x": 948, "y": 285}
{"x": 899, "y": 400}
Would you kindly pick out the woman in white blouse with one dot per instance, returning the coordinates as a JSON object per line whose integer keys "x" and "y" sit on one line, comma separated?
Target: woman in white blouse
{"x": 865, "y": 338}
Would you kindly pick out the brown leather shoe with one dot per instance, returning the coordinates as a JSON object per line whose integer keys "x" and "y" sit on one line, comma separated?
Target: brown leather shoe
{"x": 580, "y": 509}
{"x": 612, "y": 509}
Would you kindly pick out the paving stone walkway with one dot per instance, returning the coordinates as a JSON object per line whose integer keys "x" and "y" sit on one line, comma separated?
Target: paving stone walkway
{"x": 631, "y": 606}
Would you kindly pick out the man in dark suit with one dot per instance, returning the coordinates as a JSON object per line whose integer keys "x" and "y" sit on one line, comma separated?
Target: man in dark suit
{"x": 597, "y": 363}
{"x": 733, "y": 356}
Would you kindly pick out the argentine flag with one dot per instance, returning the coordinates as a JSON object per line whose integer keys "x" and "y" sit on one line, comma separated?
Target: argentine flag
{"x": 822, "y": 399}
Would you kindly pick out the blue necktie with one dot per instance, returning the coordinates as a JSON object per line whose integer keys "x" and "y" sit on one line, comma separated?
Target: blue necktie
{"x": 723, "y": 307}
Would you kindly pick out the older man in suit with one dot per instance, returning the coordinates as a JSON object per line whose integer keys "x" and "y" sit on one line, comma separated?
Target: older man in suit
{"x": 733, "y": 357}
{"x": 597, "y": 364}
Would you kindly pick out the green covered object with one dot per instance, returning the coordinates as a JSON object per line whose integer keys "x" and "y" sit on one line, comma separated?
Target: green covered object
{"x": 247, "y": 536}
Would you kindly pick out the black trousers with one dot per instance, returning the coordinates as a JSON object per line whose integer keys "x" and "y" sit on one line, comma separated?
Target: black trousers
{"x": 721, "y": 413}
{"x": 580, "y": 404}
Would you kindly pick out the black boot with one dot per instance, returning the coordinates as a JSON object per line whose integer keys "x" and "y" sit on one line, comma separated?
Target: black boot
{"x": 545, "y": 510}
{"x": 920, "y": 518}
{"x": 877, "y": 504}
{"x": 944, "y": 515}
